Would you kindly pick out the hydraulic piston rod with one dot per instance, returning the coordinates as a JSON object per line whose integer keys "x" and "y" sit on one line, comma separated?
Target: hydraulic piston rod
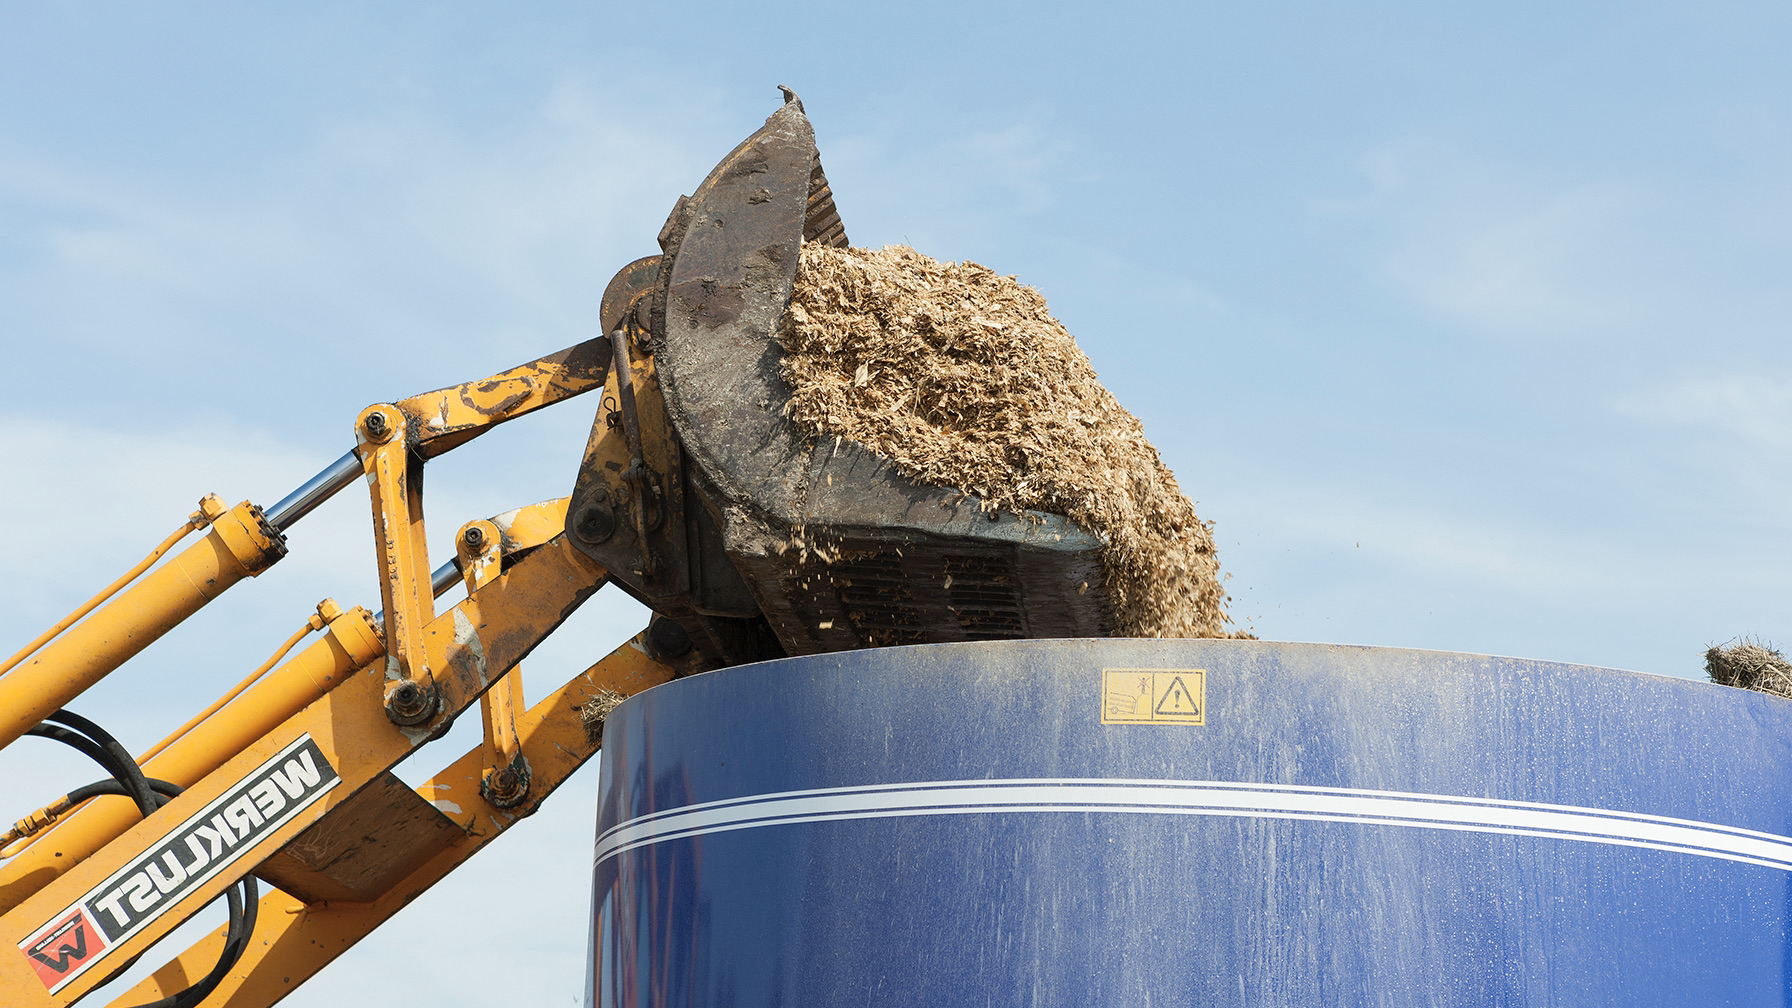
{"x": 316, "y": 490}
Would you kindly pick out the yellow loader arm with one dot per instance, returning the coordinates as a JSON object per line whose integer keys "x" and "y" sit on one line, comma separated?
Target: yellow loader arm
{"x": 287, "y": 778}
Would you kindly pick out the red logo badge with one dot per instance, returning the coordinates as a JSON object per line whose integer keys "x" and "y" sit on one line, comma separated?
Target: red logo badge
{"x": 62, "y": 949}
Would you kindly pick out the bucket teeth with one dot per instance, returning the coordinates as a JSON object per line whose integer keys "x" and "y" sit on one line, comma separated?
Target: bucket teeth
{"x": 822, "y": 221}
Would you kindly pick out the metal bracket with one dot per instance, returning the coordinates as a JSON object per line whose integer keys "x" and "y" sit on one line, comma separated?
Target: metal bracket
{"x": 393, "y": 441}
{"x": 505, "y": 782}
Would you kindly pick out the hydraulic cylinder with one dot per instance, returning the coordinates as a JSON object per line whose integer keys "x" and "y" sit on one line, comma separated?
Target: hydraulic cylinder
{"x": 240, "y": 544}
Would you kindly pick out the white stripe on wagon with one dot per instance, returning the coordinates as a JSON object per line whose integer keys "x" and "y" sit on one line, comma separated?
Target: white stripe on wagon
{"x": 1209, "y": 798}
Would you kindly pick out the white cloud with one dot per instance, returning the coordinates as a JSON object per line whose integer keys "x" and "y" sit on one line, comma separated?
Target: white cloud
{"x": 111, "y": 263}
{"x": 400, "y": 248}
{"x": 1754, "y": 409}
{"x": 900, "y": 183}
{"x": 1028, "y": 159}
{"x": 1531, "y": 272}
{"x": 1433, "y": 543}
{"x": 1499, "y": 250}
{"x": 538, "y": 218}
{"x": 95, "y": 499}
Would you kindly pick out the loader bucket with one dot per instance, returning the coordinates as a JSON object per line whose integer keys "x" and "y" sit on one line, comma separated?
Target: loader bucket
{"x": 838, "y": 550}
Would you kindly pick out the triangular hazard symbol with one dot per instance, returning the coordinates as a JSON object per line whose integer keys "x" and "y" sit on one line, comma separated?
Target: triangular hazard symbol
{"x": 1178, "y": 700}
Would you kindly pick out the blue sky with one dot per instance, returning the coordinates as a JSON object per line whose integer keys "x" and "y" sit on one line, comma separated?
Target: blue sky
{"x": 1467, "y": 328}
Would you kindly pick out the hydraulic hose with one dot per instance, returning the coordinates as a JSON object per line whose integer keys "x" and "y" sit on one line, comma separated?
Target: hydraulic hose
{"x": 244, "y": 898}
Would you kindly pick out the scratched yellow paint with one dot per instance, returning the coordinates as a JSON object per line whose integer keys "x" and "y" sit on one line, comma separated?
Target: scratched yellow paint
{"x": 1154, "y": 696}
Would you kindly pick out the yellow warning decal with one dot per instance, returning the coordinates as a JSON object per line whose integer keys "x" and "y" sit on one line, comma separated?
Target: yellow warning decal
{"x": 1153, "y": 696}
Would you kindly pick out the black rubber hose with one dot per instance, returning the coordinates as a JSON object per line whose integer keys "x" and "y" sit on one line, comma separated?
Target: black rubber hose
{"x": 102, "y": 748}
{"x": 120, "y": 755}
{"x": 244, "y": 898}
{"x": 162, "y": 788}
{"x": 129, "y": 778}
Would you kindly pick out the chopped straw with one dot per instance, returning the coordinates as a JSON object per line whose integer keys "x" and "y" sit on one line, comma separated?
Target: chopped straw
{"x": 594, "y": 711}
{"x": 959, "y": 377}
{"x": 1750, "y": 664}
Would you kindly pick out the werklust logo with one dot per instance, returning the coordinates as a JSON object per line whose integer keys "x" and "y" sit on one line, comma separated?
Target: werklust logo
{"x": 185, "y": 859}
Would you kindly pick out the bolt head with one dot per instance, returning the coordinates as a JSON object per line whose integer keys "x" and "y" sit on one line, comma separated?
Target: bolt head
{"x": 506, "y": 786}
{"x": 474, "y": 536}
{"x": 595, "y": 523}
{"x": 408, "y": 703}
{"x": 377, "y": 425}
{"x": 668, "y": 638}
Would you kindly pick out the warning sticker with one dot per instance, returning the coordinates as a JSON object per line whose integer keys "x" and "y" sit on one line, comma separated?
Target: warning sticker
{"x": 1154, "y": 696}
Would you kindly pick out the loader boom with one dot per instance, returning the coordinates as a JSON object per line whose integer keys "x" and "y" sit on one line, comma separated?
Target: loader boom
{"x": 288, "y": 780}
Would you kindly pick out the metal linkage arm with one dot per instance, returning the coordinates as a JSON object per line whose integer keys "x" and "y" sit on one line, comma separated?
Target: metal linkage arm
{"x": 393, "y": 441}
{"x": 483, "y": 546}
{"x": 438, "y": 421}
